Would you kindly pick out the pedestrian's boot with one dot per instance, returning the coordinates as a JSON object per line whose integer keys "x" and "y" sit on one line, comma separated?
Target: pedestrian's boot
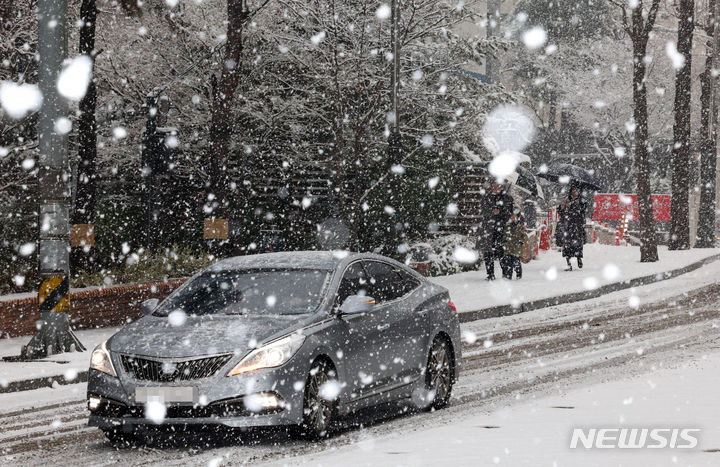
{"x": 569, "y": 268}
{"x": 579, "y": 263}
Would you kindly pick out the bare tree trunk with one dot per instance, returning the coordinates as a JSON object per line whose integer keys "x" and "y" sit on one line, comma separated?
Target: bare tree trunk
{"x": 640, "y": 33}
{"x": 680, "y": 208}
{"x": 221, "y": 122}
{"x": 84, "y": 212}
{"x": 708, "y": 159}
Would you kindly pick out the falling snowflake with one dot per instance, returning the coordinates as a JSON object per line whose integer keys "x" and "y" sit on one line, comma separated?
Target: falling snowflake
{"x": 318, "y": 38}
{"x": 27, "y": 249}
{"x": 330, "y": 390}
{"x": 383, "y": 11}
{"x": 677, "y": 59}
{"x": 551, "y": 274}
{"x": 464, "y": 256}
{"x": 611, "y": 272}
{"x": 18, "y": 100}
{"x": 427, "y": 141}
{"x": 177, "y": 318}
{"x": 534, "y": 38}
{"x": 155, "y": 411}
{"x": 74, "y": 79}
{"x": 119, "y": 132}
{"x": 63, "y": 125}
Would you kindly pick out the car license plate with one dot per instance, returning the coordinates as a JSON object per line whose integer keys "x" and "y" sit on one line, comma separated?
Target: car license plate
{"x": 165, "y": 394}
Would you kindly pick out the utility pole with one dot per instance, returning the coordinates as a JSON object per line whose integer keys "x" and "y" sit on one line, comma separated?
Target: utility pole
{"x": 54, "y": 335}
{"x": 708, "y": 158}
{"x": 395, "y": 140}
{"x": 492, "y": 70}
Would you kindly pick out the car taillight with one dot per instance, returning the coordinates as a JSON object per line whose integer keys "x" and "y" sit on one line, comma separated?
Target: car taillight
{"x": 452, "y": 306}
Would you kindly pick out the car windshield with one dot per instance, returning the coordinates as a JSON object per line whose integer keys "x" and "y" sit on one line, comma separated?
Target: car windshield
{"x": 249, "y": 292}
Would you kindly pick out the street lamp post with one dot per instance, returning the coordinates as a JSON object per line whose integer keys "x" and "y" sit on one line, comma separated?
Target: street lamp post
{"x": 395, "y": 140}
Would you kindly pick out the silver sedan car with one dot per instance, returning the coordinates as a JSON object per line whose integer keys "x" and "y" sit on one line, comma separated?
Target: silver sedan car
{"x": 292, "y": 339}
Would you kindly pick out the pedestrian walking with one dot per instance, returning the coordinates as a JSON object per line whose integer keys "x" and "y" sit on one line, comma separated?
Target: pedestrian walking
{"x": 495, "y": 210}
{"x": 515, "y": 239}
{"x": 572, "y": 211}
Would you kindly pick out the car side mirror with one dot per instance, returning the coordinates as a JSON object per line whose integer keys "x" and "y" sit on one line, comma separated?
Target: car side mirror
{"x": 149, "y": 305}
{"x": 356, "y": 304}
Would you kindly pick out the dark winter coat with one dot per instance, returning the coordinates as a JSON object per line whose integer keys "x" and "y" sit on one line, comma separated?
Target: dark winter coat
{"x": 572, "y": 219}
{"x": 491, "y": 230}
{"x": 515, "y": 239}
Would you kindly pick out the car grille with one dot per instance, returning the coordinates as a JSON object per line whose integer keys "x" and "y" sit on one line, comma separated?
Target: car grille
{"x": 147, "y": 369}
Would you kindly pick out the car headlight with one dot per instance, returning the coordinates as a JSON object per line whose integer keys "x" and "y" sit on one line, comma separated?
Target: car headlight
{"x": 100, "y": 360}
{"x": 270, "y": 355}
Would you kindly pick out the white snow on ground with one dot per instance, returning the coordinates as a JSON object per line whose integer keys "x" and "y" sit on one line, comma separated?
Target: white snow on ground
{"x": 538, "y": 433}
{"x": 55, "y": 365}
{"x": 23, "y": 400}
{"x": 470, "y": 291}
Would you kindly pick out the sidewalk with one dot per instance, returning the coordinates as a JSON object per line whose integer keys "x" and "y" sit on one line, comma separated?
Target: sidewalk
{"x": 544, "y": 283}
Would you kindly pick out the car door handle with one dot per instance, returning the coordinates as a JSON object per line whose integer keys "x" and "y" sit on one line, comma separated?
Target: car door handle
{"x": 383, "y": 327}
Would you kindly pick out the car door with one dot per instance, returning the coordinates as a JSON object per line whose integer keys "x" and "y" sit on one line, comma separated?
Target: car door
{"x": 414, "y": 316}
{"x": 391, "y": 321}
{"x": 359, "y": 335}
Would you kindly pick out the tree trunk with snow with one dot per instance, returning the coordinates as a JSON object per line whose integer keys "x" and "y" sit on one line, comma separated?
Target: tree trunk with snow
{"x": 708, "y": 121}
{"x": 680, "y": 209}
{"x": 221, "y": 123}
{"x": 639, "y": 29}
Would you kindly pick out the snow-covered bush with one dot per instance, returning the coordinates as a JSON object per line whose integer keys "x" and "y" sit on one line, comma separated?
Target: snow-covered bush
{"x": 443, "y": 259}
{"x": 142, "y": 266}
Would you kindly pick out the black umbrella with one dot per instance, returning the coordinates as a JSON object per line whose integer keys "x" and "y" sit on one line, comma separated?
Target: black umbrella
{"x": 524, "y": 179}
{"x": 572, "y": 174}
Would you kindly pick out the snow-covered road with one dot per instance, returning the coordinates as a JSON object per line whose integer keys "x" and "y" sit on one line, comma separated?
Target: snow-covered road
{"x": 507, "y": 362}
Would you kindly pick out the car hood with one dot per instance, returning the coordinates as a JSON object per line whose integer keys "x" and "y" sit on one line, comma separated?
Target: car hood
{"x": 153, "y": 336}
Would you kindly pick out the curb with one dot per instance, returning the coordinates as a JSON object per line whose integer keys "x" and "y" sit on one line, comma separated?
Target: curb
{"x": 506, "y": 310}
{"x": 44, "y": 382}
{"x": 465, "y": 317}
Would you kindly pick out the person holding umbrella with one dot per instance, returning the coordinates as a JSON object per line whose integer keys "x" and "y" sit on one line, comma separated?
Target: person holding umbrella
{"x": 572, "y": 212}
{"x": 572, "y": 217}
{"x": 495, "y": 210}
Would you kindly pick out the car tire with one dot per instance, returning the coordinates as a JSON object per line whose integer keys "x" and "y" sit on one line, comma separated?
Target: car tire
{"x": 439, "y": 373}
{"x": 120, "y": 439}
{"x": 318, "y": 412}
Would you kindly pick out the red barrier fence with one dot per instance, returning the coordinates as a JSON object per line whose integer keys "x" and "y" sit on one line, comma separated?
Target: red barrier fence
{"x": 615, "y": 206}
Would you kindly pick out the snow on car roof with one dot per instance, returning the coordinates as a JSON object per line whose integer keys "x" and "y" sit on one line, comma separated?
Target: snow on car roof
{"x": 286, "y": 259}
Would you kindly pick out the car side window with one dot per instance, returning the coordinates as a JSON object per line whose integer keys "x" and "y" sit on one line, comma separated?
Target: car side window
{"x": 353, "y": 282}
{"x": 384, "y": 283}
{"x": 407, "y": 283}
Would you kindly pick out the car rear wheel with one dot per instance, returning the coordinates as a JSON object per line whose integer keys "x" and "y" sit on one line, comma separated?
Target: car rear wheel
{"x": 319, "y": 407}
{"x": 438, "y": 375}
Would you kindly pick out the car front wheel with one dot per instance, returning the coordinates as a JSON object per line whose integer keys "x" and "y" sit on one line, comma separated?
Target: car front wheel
{"x": 319, "y": 402}
{"x": 120, "y": 439}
